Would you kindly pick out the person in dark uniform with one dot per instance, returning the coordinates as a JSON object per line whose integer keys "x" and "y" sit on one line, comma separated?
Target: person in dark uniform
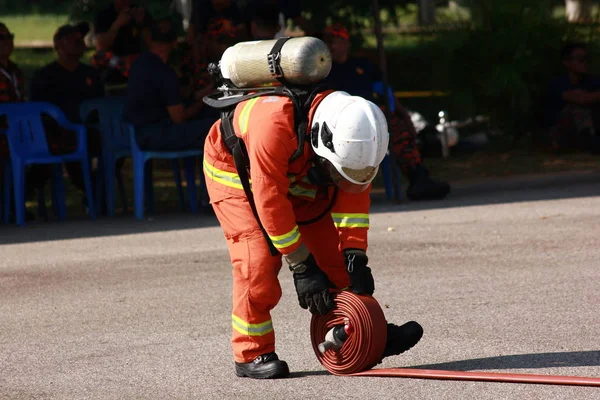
{"x": 66, "y": 83}
{"x": 572, "y": 109}
{"x": 154, "y": 103}
{"x": 264, "y": 22}
{"x": 286, "y": 10}
{"x": 121, "y": 33}
{"x": 359, "y": 77}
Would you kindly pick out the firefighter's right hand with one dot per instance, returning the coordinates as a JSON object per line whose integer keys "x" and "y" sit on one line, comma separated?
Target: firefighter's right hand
{"x": 312, "y": 287}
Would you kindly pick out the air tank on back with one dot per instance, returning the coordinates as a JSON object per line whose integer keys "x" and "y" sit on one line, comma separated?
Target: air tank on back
{"x": 303, "y": 61}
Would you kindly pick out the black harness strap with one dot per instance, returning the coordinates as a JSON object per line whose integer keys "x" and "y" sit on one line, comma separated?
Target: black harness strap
{"x": 302, "y": 99}
{"x": 274, "y": 60}
{"x": 242, "y": 163}
{"x": 221, "y": 103}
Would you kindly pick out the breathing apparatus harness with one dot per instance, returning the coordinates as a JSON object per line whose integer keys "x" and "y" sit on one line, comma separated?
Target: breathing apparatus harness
{"x": 229, "y": 96}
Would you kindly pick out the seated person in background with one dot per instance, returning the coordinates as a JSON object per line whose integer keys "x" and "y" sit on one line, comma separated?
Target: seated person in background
{"x": 573, "y": 103}
{"x": 12, "y": 89}
{"x": 286, "y": 10}
{"x": 12, "y": 83}
{"x": 67, "y": 82}
{"x": 265, "y": 23}
{"x": 154, "y": 103}
{"x": 357, "y": 77}
{"x": 121, "y": 32}
{"x": 220, "y": 35}
{"x": 204, "y": 14}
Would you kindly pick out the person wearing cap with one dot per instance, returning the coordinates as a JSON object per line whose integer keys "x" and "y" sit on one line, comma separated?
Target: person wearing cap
{"x": 66, "y": 83}
{"x": 359, "y": 76}
{"x": 205, "y": 15}
{"x": 265, "y": 23}
{"x": 121, "y": 33}
{"x": 154, "y": 104}
{"x": 206, "y": 11}
{"x": 286, "y": 10}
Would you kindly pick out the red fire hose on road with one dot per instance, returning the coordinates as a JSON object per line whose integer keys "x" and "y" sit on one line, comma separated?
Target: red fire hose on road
{"x": 364, "y": 347}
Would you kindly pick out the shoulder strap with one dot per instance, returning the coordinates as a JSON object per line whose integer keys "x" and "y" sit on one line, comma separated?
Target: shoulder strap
{"x": 274, "y": 60}
{"x": 242, "y": 165}
{"x": 302, "y": 100}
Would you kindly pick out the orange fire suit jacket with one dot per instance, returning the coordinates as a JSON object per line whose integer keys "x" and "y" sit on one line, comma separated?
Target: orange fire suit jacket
{"x": 283, "y": 195}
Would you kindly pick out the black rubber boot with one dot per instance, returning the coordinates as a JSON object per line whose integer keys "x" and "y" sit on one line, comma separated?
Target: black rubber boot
{"x": 266, "y": 366}
{"x": 402, "y": 338}
{"x": 422, "y": 187}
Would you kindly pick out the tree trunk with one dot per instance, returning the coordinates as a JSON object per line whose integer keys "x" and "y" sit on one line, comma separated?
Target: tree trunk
{"x": 579, "y": 10}
{"x": 426, "y": 12}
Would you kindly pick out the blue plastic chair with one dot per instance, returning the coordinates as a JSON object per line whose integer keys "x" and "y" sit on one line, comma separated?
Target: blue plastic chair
{"x": 142, "y": 175}
{"x": 28, "y": 145}
{"x": 114, "y": 146}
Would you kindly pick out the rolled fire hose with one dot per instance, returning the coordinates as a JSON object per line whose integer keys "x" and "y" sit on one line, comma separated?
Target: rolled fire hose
{"x": 364, "y": 346}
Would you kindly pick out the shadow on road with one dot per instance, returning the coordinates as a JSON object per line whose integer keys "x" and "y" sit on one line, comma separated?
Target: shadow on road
{"x": 120, "y": 225}
{"x": 303, "y": 374}
{"x": 503, "y": 191}
{"x": 522, "y": 361}
{"x": 512, "y": 190}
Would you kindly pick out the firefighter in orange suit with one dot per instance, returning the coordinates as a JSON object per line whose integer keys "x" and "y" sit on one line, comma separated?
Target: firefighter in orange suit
{"x": 315, "y": 211}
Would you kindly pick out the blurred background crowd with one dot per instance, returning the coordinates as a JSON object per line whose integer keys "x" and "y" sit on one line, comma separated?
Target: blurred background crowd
{"x": 514, "y": 68}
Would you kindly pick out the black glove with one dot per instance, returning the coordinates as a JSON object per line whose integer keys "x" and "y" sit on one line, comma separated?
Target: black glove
{"x": 361, "y": 278}
{"x": 312, "y": 287}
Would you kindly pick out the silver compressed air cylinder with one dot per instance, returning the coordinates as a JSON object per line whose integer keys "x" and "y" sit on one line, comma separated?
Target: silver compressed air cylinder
{"x": 303, "y": 61}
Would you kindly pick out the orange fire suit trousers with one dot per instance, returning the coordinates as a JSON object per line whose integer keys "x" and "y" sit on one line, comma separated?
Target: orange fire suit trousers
{"x": 256, "y": 287}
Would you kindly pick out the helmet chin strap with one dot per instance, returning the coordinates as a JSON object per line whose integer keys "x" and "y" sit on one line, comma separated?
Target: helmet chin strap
{"x": 317, "y": 173}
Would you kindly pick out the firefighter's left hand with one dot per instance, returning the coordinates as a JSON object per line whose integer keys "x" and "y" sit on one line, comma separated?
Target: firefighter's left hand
{"x": 312, "y": 286}
{"x": 361, "y": 279}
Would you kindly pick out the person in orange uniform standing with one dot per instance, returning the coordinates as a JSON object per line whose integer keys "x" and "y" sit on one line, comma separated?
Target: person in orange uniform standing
{"x": 315, "y": 211}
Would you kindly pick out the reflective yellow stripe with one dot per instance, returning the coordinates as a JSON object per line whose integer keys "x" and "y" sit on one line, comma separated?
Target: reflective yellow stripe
{"x": 350, "y": 220}
{"x": 299, "y": 191}
{"x": 251, "y": 329}
{"x": 223, "y": 177}
{"x": 287, "y": 240}
{"x": 245, "y": 115}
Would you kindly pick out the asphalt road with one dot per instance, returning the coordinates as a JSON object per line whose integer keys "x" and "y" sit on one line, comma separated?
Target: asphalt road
{"x": 501, "y": 280}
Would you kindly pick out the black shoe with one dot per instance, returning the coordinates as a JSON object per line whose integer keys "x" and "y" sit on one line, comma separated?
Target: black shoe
{"x": 266, "y": 366}
{"x": 422, "y": 187}
{"x": 402, "y": 338}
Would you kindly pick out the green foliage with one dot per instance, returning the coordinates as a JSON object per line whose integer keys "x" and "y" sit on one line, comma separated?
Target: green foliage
{"x": 86, "y": 9}
{"x": 28, "y": 28}
{"x": 502, "y": 65}
{"x": 356, "y": 15}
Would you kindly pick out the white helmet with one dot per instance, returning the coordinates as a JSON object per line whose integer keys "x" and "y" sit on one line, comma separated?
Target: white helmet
{"x": 351, "y": 135}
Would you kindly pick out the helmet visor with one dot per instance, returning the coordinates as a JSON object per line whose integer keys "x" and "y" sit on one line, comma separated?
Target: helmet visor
{"x": 365, "y": 176}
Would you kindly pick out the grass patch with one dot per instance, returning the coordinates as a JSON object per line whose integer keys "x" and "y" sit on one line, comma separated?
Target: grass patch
{"x": 34, "y": 28}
